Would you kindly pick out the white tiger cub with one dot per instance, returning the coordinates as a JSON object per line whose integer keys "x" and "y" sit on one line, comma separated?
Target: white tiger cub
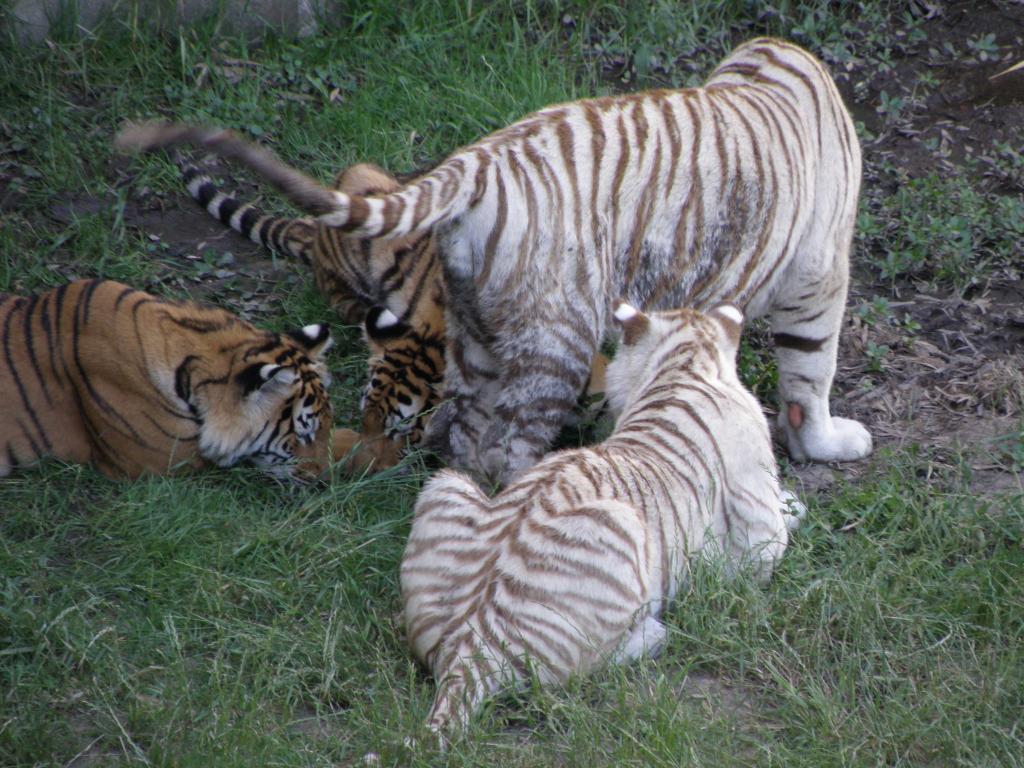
{"x": 571, "y": 565}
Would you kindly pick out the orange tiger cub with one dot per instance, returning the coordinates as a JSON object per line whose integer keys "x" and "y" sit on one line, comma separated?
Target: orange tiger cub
{"x": 571, "y": 566}
{"x": 406, "y": 361}
{"x": 96, "y": 372}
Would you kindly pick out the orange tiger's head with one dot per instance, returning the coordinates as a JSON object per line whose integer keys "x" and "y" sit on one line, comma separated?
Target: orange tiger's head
{"x": 270, "y": 407}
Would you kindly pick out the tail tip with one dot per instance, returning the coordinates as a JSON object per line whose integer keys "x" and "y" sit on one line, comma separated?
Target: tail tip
{"x": 139, "y": 137}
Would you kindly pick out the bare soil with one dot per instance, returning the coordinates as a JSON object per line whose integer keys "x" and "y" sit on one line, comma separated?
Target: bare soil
{"x": 955, "y": 386}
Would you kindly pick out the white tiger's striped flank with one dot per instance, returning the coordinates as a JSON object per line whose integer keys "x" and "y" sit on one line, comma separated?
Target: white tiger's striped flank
{"x": 744, "y": 190}
{"x": 571, "y": 565}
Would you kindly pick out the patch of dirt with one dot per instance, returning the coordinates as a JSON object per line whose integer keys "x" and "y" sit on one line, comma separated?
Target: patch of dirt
{"x": 949, "y": 374}
{"x": 195, "y": 254}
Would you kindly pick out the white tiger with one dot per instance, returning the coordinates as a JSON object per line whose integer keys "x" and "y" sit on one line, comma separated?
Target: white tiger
{"x": 744, "y": 190}
{"x": 572, "y": 564}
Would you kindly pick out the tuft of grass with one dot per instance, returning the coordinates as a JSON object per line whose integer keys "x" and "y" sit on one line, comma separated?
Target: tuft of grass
{"x": 942, "y": 231}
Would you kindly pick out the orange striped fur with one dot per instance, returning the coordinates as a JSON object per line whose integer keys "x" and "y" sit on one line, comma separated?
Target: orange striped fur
{"x": 95, "y": 372}
{"x": 572, "y": 564}
{"x": 406, "y": 361}
{"x": 744, "y": 190}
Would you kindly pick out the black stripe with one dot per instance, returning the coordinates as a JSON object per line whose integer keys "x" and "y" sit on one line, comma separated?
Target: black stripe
{"x": 81, "y": 318}
{"x": 170, "y": 435}
{"x": 227, "y": 209}
{"x": 192, "y": 419}
{"x": 182, "y": 383}
{"x": 248, "y": 221}
{"x": 51, "y": 346}
{"x": 801, "y": 343}
{"x": 86, "y": 301}
{"x": 36, "y": 450}
{"x": 125, "y": 292}
{"x": 272, "y": 235}
{"x": 206, "y": 192}
{"x": 18, "y": 303}
{"x": 31, "y": 347}
{"x": 264, "y": 232}
{"x": 200, "y": 325}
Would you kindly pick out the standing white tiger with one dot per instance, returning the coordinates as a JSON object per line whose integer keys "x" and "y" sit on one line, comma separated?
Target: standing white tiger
{"x": 571, "y": 565}
{"x": 744, "y": 190}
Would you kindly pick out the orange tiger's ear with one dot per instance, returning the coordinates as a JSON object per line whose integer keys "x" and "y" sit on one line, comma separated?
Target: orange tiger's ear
{"x": 631, "y": 320}
{"x": 315, "y": 339}
{"x": 266, "y": 379}
{"x": 730, "y": 317}
{"x": 382, "y": 324}
{"x": 365, "y": 179}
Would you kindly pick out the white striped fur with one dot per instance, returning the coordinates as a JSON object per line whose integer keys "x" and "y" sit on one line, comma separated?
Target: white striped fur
{"x": 571, "y": 565}
{"x": 744, "y": 190}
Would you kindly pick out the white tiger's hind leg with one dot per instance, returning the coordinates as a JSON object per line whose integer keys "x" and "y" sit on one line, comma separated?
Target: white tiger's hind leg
{"x": 806, "y": 339}
{"x": 647, "y": 638}
{"x": 541, "y": 380}
{"x": 466, "y": 407}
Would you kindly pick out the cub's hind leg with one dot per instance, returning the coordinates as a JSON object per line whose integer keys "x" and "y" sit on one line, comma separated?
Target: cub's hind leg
{"x": 805, "y": 325}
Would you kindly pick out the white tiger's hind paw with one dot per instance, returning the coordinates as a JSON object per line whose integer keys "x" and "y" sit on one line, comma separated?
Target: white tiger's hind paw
{"x": 793, "y": 510}
{"x": 645, "y": 639}
{"x": 842, "y": 440}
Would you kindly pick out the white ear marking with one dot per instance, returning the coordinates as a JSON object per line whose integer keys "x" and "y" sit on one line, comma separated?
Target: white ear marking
{"x": 625, "y": 311}
{"x": 730, "y": 313}
{"x": 386, "y": 319}
{"x": 312, "y": 332}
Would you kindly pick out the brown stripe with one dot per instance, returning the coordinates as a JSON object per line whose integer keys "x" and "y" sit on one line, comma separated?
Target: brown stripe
{"x": 804, "y": 78}
{"x": 617, "y": 178}
{"x": 799, "y": 343}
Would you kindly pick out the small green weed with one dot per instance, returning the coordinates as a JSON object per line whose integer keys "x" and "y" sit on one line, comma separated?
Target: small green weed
{"x": 943, "y": 231}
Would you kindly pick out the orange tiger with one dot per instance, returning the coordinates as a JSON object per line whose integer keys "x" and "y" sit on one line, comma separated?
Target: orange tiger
{"x": 744, "y": 190}
{"x": 95, "y": 372}
{"x": 406, "y": 361}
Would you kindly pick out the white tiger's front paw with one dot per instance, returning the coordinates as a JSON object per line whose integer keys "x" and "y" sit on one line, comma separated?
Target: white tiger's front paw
{"x": 837, "y": 440}
{"x": 645, "y": 639}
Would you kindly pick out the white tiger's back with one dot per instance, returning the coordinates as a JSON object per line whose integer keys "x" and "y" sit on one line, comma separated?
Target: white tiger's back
{"x": 570, "y": 565}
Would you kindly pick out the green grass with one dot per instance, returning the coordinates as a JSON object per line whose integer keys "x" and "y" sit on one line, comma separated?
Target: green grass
{"x": 222, "y": 619}
{"x": 944, "y": 231}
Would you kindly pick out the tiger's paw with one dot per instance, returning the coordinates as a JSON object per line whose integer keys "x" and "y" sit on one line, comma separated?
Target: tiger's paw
{"x": 437, "y": 437}
{"x": 837, "y": 439}
{"x": 645, "y": 639}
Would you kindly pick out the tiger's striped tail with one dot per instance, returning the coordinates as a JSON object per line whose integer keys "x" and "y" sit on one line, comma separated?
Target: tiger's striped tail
{"x": 413, "y": 209}
{"x": 459, "y": 695}
{"x": 304, "y": 191}
{"x": 292, "y": 238}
